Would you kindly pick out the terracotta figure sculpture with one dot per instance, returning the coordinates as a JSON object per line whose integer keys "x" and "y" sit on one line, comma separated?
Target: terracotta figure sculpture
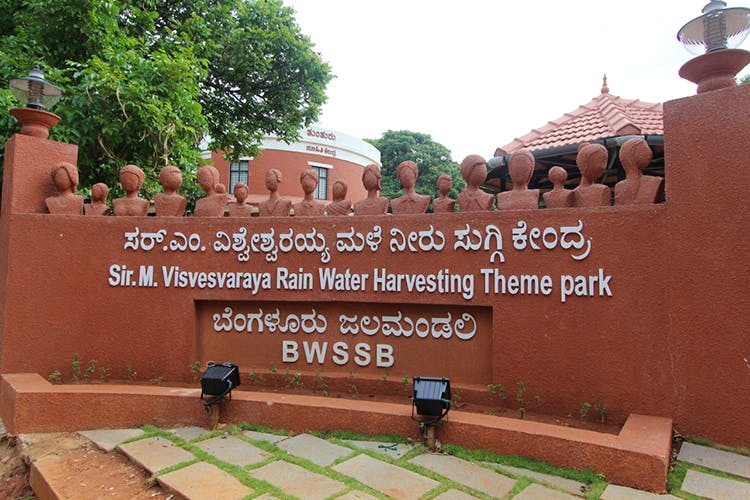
{"x": 592, "y": 161}
{"x": 410, "y": 202}
{"x": 274, "y": 206}
{"x": 98, "y": 205}
{"x": 340, "y": 205}
{"x": 215, "y": 201}
{"x": 309, "y": 205}
{"x": 559, "y": 196}
{"x": 131, "y": 179}
{"x": 65, "y": 177}
{"x": 474, "y": 172}
{"x": 169, "y": 203}
{"x": 373, "y": 204}
{"x": 442, "y": 203}
{"x": 637, "y": 188}
{"x": 239, "y": 208}
{"x": 520, "y": 169}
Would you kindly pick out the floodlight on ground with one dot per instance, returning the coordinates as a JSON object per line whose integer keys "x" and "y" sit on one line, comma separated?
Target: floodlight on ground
{"x": 218, "y": 381}
{"x": 34, "y": 91}
{"x": 431, "y": 399}
{"x": 718, "y": 28}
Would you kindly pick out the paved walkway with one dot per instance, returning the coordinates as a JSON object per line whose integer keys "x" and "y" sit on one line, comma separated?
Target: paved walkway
{"x": 197, "y": 464}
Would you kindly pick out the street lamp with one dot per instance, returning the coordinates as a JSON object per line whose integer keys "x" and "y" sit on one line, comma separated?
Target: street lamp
{"x": 717, "y": 32}
{"x": 34, "y": 91}
{"x": 718, "y": 28}
{"x": 36, "y": 94}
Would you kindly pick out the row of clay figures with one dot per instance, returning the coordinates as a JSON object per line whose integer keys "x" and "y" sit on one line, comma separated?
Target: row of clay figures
{"x": 637, "y": 188}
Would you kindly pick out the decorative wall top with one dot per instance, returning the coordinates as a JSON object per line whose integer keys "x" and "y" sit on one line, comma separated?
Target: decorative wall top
{"x": 592, "y": 161}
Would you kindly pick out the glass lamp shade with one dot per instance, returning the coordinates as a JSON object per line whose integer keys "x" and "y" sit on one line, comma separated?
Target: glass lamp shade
{"x": 34, "y": 92}
{"x": 718, "y": 28}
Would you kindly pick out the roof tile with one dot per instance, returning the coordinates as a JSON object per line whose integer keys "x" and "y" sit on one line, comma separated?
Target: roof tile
{"x": 606, "y": 115}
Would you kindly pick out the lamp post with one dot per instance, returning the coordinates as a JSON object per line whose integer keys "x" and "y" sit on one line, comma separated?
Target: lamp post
{"x": 36, "y": 93}
{"x": 717, "y": 32}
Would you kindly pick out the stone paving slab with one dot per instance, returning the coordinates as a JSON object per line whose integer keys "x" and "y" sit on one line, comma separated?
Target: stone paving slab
{"x": 204, "y": 481}
{"x": 709, "y": 486}
{"x": 466, "y": 473}
{"x": 711, "y": 458}
{"x": 617, "y": 492}
{"x": 188, "y": 433}
{"x": 392, "y": 450}
{"x": 572, "y": 487}
{"x": 294, "y": 480}
{"x": 108, "y": 439}
{"x": 232, "y": 450}
{"x": 318, "y": 451}
{"x": 454, "y": 495}
{"x": 356, "y": 495}
{"x": 539, "y": 492}
{"x": 389, "y": 479}
{"x": 265, "y": 436}
{"x": 155, "y": 454}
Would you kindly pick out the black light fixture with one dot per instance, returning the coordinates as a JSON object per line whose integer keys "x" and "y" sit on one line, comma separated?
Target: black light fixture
{"x": 431, "y": 399}
{"x": 34, "y": 91}
{"x": 432, "y": 402}
{"x": 218, "y": 381}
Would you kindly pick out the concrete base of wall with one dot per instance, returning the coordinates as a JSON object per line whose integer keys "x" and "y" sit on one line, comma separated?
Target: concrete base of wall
{"x": 638, "y": 456}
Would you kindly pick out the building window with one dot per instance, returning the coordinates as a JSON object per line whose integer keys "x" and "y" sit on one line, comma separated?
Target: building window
{"x": 321, "y": 192}
{"x": 238, "y": 173}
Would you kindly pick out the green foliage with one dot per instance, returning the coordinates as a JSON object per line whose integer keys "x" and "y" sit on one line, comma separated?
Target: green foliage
{"x": 130, "y": 373}
{"x": 350, "y": 383}
{"x": 90, "y": 369}
{"x": 584, "y": 411}
{"x": 195, "y": 367}
{"x": 320, "y": 385}
{"x": 432, "y": 158}
{"x": 145, "y": 81}
{"x": 744, "y": 79}
{"x": 497, "y": 389}
{"x": 256, "y": 378}
{"x": 520, "y": 394}
{"x": 602, "y": 411}
{"x": 458, "y": 398}
{"x": 55, "y": 377}
{"x": 76, "y": 365}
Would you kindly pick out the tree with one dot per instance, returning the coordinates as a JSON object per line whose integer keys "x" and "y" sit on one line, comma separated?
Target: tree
{"x": 145, "y": 81}
{"x": 432, "y": 158}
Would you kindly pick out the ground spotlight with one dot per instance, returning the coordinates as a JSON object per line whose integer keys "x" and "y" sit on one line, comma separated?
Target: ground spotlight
{"x": 218, "y": 381}
{"x": 432, "y": 402}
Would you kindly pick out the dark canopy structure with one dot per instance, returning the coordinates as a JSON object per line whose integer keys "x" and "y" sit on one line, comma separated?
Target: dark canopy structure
{"x": 607, "y": 119}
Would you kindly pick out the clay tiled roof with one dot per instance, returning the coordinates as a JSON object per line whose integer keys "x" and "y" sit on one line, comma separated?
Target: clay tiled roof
{"x": 606, "y": 115}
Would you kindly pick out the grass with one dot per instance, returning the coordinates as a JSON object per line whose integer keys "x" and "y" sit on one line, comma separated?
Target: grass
{"x": 582, "y": 476}
{"x": 711, "y": 444}
{"x": 358, "y": 436}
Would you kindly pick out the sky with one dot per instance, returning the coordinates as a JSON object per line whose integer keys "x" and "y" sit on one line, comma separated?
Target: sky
{"x": 475, "y": 74}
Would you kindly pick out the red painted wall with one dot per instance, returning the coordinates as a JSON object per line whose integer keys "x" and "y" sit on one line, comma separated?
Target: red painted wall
{"x": 708, "y": 269}
{"x": 671, "y": 339}
{"x": 291, "y": 165}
